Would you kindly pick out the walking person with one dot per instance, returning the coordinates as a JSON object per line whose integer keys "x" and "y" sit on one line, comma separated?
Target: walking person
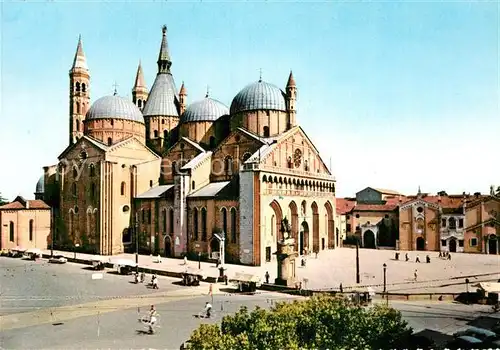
{"x": 415, "y": 274}
{"x": 267, "y": 277}
{"x": 185, "y": 260}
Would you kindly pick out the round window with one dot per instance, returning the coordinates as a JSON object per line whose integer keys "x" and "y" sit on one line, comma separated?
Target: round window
{"x": 357, "y": 216}
{"x": 126, "y": 208}
{"x": 420, "y": 209}
{"x": 83, "y": 155}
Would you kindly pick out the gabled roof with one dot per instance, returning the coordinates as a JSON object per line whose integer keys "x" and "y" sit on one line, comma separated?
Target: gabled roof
{"x": 155, "y": 192}
{"x": 270, "y": 145}
{"x": 210, "y": 190}
{"x": 92, "y": 141}
{"x": 22, "y": 204}
{"x": 193, "y": 163}
{"x": 128, "y": 140}
{"x": 192, "y": 143}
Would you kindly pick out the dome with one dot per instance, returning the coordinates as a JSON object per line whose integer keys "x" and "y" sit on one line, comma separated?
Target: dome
{"x": 114, "y": 107}
{"x": 207, "y": 109}
{"x": 259, "y": 95}
{"x": 162, "y": 97}
{"x": 40, "y": 185}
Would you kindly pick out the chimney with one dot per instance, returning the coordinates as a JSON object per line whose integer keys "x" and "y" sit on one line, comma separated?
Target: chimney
{"x": 27, "y": 204}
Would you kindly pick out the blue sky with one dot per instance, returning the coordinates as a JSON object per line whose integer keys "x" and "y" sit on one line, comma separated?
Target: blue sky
{"x": 397, "y": 94}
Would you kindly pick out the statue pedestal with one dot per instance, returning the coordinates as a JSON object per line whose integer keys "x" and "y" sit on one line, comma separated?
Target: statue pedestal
{"x": 286, "y": 263}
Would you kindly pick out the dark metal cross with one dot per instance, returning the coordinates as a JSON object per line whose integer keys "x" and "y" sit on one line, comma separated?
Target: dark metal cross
{"x": 115, "y": 86}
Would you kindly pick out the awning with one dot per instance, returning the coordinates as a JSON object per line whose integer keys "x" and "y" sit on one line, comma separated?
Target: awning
{"x": 489, "y": 287}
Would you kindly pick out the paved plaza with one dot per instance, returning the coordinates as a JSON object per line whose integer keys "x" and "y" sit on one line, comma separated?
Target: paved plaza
{"x": 333, "y": 267}
{"x": 47, "y": 306}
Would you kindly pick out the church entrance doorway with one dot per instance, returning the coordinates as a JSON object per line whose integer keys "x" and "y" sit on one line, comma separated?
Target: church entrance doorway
{"x": 168, "y": 246}
{"x": 369, "y": 239}
{"x": 215, "y": 248}
{"x": 492, "y": 244}
{"x": 420, "y": 243}
{"x": 303, "y": 237}
{"x": 453, "y": 245}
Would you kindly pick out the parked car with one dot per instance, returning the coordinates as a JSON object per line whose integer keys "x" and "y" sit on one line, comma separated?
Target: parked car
{"x": 58, "y": 259}
{"x": 465, "y": 342}
{"x": 479, "y": 333}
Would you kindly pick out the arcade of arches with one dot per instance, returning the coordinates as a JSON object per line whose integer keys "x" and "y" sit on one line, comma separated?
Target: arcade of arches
{"x": 312, "y": 224}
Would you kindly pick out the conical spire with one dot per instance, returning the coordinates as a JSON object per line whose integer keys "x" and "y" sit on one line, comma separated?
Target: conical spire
{"x": 79, "y": 61}
{"x": 139, "y": 78}
{"x": 183, "y": 91}
{"x": 291, "y": 81}
{"x": 164, "y": 61}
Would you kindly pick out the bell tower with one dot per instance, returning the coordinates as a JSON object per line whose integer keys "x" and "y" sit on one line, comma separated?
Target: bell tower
{"x": 79, "y": 93}
{"x": 291, "y": 100}
{"x": 139, "y": 91}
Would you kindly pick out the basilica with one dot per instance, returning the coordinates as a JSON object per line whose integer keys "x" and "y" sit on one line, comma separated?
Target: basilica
{"x": 164, "y": 176}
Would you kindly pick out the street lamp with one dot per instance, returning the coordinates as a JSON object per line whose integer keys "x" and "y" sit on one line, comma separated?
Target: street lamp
{"x": 357, "y": 261}
{"x": 385, "y": 275}
{"x": 137, "y": 241}
{"x": 467, "y": 289}
{"x": 199, "y": 260}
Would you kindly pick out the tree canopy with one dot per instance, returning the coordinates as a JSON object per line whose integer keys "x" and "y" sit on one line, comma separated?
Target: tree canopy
{"x": 3, "y": 200}
{"x": 316, "y": 323}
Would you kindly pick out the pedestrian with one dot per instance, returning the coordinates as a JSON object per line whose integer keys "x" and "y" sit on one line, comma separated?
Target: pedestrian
{"x": 449, "y": 256}
{"x": 341, "y": 288}
{"x": 417, "y": 260}
{"x": 406, "y": 257}
{"x": 428, "y": 259}
{"x": 267, "y": 277}
{"x": 185, "y": 260}
{"x": 159, "y": 258}
{"x": 440, "y": 255}
{"x": 415, "y": 274}
{"x": 316, "y": 254}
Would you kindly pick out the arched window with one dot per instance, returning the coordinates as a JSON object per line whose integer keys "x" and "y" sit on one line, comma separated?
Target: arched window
{"x": 122, "y": 188}
{"x": 452, "y": 223}
{"x": 11, "y": 231}
{"x": 78, "y": 111}
{"x": 195, "y": 224}
{"x": 211, "y": 142}
{"x": 77, "y": 86}
{"x": 84, "y": 88}
{"x": 266, "y": 131}
{"x": 73, "y": 189}
{"x": 224, "y": 220}
{"x": 228, "y": 165}
{"x": 92, "y": 170}
{"x": 155, "y": 133}
{"x": 165, "y": 134}
{"x": 77, "y": 125}
{"x": 204, "y": 224}
{"x": 75, "y": 173}
{"x": 171, "y": 220}
{"x": 233, "y": 225}
{"x": 110, "y": 141}
{"x": 31, "y": 229}
{"x": 165, "y": 221}
{"x": 92, "y": 191}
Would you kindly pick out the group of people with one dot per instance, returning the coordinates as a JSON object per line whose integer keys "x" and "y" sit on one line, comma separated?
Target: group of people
{"x": 417, "y": 259}
{"x": 140, "y": 277}
{"x": 445, "y": 255}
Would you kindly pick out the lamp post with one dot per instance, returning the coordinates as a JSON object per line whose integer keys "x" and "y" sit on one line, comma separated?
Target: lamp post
{"x": 52, "y": 228}
{"x": 358, "y": 280}
{"x": 467, "y": 289}
{"x": 137, "y": 241}
{"x": 199, "y": 260}
{"x": 385, "y": 275}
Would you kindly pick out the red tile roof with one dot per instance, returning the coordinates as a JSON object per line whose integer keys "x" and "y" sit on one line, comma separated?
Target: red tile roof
{"x": 20, "y": 203}
{"x": 375, "y": 207}
{"x": 344, "y": 205}
{"x": 443, "y": 201}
